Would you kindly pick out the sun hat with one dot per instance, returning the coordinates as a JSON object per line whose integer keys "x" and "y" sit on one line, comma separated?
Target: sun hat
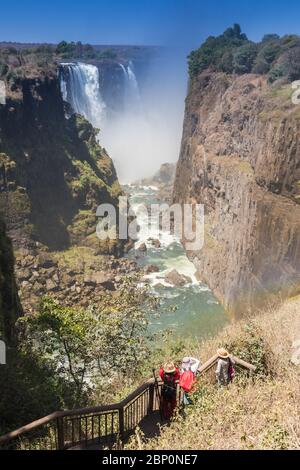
{"x": 169, "y": 367}
{"x": 223, "y": 353}
{"x": 190, "y": 363}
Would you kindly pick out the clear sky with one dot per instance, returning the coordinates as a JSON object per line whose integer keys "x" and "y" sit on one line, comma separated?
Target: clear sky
{"x": 165, "y": 22}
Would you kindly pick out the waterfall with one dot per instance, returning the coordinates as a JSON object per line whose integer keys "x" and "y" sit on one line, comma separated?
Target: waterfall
{"x": 132, "y": 98}
{"x": 80, "y": 88}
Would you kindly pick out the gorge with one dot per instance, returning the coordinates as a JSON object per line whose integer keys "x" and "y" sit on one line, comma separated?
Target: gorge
{"x": 226, "y": 118}
{"x": 91, "y": 316}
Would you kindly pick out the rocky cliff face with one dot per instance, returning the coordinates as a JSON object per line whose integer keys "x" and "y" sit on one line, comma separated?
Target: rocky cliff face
{"x": 240, "y": 157}
{"x": 9, "y": 302}
{"x": 53, "y": 172}
{"x": 163, "y": 179}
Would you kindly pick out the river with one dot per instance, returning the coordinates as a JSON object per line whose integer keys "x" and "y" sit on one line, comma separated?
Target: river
{"x": 190, "y": 310}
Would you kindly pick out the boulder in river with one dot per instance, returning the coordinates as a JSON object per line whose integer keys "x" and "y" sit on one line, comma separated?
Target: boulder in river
{"x": 155, "y": 242}
{"x": 177, "y": 279}
{"x": 151, "y": 268}
{"x": 142, "y": 247}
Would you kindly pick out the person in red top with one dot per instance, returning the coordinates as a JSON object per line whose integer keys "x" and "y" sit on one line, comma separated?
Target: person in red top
{"x": 169, "y": 374}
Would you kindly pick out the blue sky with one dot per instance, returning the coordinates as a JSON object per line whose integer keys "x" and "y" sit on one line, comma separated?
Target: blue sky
{"x": 166, "y": 22}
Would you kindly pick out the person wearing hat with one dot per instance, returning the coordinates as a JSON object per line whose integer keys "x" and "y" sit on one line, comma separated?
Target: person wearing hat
{"x": 169, "y": 374}
{"x": 189, "y": 369}
{"x": 225, "y": 368}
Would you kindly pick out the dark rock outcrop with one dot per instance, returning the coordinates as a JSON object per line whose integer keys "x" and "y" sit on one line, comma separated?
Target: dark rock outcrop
{"x": 10, "y": 307}
{"x": 163, "y": 179}
{"x": 53, "y": 172}
{"x": 240, "y": 157}
{"x": 177, "y": 279}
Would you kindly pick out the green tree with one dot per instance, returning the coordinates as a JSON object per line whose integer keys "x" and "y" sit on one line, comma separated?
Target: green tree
{"x": 276, "y": 72}
{"x": 244, "y": 57}
{"x": 107, "y": 340}
{"x": 266, "y": 56}
{"x": 292, "y": 64}
{"x": 216, "y": 52}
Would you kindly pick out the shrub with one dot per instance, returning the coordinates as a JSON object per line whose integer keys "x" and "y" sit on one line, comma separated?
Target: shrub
{"x": 276, "y": 73}
{"x": 292, "y": 64}
{"x": 266, "y": 56}
{"x": 244, "y": 58}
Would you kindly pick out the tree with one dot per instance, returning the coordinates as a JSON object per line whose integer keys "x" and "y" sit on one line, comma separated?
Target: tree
{"x": 64, "y": 335}
{"x": 107, "y": 340}
{"x": 244, "y": 58}
{"x": 235, "y": 32}
{"x": 270, "y": 37}
{"x": 266, "y": 56}
{"x": 276, "y": 72}
{"x": 66, "y": 48}
{"x": 216, "y": 52}
{"x": 292, "y": 64}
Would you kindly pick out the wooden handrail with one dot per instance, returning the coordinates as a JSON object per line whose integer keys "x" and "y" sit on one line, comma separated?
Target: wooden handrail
{"x": 109, "y": 408}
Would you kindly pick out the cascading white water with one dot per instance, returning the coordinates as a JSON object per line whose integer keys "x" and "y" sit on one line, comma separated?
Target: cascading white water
{"x": 80, "y": 87}
{"x": 132, "y": 98}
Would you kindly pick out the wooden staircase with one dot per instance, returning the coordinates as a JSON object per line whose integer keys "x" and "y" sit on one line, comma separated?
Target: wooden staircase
{"x": 99, "y": 427}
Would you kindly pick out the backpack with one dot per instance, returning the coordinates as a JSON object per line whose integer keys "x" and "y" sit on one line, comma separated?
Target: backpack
{"x": 168, "y": 391}
{"x": 186, "y": 380}
{"x": 231, "y": 371}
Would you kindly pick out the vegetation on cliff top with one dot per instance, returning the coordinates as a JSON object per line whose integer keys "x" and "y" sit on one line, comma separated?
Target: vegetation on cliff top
{"x": 233, "y": 52}
{"x": 20, "y": 60}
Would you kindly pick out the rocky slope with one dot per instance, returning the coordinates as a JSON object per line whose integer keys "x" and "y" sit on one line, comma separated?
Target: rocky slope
{"x": 77, "y": 276}
{"x": 240, "y": 157}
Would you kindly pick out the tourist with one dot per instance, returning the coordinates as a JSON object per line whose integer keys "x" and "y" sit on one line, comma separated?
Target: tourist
{"x": 189, "y": 368}
{"x": 169, "y": 374}
{"x": 225, "y": 367}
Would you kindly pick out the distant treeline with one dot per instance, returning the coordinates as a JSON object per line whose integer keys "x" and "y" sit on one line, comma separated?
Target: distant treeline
{"x": 232, "y": 52}
{"x": 65, "y": 50}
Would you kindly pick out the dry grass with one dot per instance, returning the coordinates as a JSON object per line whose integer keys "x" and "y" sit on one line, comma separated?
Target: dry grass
{"x": 257, "y": 413}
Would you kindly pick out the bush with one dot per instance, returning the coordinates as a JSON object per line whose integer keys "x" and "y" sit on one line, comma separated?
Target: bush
{"x": 276, "y": 73}
{"x": 266, "y": 56}
{"x": 244, "y": 58}
{"x": 292, "y": 64}
{"x": 108, "y": 340}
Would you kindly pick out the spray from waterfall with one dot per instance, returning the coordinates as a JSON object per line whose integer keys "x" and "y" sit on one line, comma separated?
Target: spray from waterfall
{"x": 80, "y": 87}
{"x": 138, "y": 107}
{"x": 132, "y": 97}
